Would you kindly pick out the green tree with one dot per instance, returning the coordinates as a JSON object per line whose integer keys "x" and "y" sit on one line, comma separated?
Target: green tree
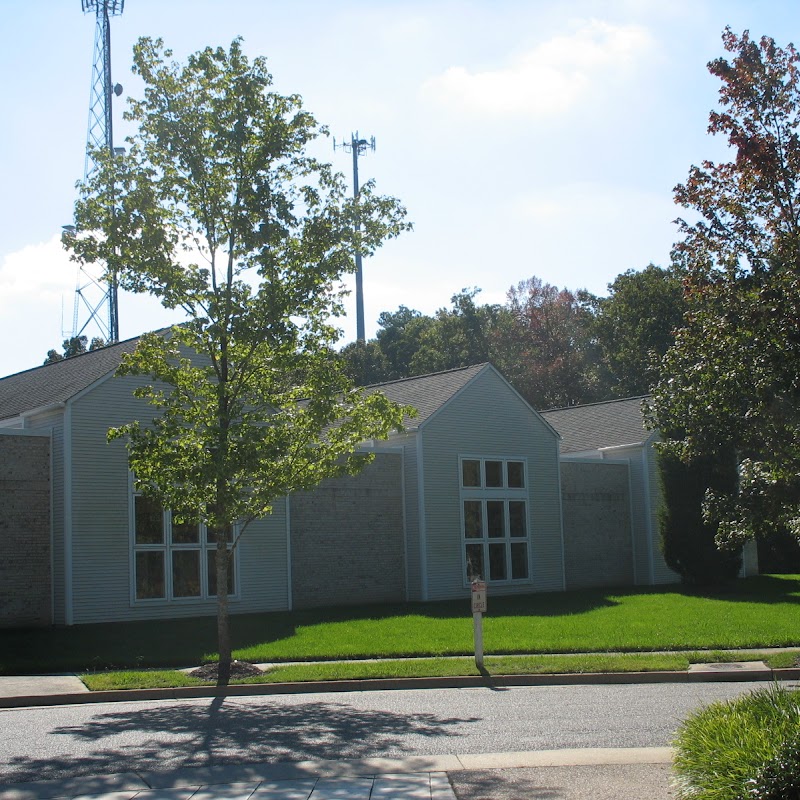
{"x": 457, "y": 337}
{"x": 544, "y": 346}
{"x": 732, "y": 379}
{"x": 365, "y": 363}
{"x": 399, "y": 337}
{"x": 218, "y": 210}
{"x": 687, "y": 540}
{"x": 635, "y": 325}
{"x": 73, "y": 346}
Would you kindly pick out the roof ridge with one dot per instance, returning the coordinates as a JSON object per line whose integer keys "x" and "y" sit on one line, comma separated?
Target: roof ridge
{"x": 425, "y": 375}
{"x": 597, "y": 403}
{"x": 69, "y": 358}
{"x": 72, "y": 359}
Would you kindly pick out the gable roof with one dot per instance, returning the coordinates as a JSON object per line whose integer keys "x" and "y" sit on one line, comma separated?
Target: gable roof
{"x": 58, "y": 382}
{"x": 427, "y": 393}
{"x": 600, "y": 425}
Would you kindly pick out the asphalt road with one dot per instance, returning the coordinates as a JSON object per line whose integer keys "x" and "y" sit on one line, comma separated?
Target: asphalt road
{"x": 65, "y": 741}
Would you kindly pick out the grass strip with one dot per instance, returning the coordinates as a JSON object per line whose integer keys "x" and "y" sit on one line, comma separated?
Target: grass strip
{"x": 138, "y": 679}
{"x": 402, "y": 668}
{"x": 444, "y": 667}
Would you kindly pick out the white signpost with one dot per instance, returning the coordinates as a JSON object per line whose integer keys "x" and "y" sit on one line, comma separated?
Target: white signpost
{"x": 478, "y": 610}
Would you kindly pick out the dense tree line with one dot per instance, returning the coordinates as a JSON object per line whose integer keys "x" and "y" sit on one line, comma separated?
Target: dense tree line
{"x": 556, "y": 346}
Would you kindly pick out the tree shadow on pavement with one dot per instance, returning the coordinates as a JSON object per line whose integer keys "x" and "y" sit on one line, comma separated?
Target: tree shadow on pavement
{"x": 170, "y": 736}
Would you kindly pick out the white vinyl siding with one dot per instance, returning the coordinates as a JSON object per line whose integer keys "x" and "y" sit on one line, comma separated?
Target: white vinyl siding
{"x": 494, "y": 522}
{"x": 100, "y": 524}
{"x": 487, "y": 418}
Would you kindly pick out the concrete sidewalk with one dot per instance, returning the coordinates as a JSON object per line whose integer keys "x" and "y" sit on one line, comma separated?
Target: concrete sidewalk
{"x": 416, "y": 778}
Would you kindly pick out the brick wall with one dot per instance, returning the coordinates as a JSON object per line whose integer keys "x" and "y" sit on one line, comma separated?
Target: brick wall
{"x": 598, "y": 542}
{"x": 347, "y": 538}
{"x": 25, "y": 580}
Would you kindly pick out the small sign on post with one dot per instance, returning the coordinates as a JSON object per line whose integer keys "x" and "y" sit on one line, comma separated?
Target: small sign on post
{"x": 478, "y": 610}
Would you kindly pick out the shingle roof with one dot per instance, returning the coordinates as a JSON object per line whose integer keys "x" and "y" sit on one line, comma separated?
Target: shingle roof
{"x": 427, "y": 393}
{"x": 598, "y": 425}
{"x": 56, "y": 383}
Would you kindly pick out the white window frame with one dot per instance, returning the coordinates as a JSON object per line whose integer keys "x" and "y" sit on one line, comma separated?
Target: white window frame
{"x": 203, "y": 546}
{"x": 504, "y": 494}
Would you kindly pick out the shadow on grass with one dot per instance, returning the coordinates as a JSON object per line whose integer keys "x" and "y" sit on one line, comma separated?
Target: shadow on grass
{"x": 185, "y": 642}
{"x": 764, "y": 589}
{"x": 165, "y": 737}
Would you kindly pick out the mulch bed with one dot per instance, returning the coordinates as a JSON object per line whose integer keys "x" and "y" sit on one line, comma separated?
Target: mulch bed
{"x": 239, "y": 669}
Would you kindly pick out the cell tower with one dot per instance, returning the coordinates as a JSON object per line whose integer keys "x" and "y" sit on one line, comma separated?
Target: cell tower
{"x": 358, "y": 147}
{"x": 97, "y": 296}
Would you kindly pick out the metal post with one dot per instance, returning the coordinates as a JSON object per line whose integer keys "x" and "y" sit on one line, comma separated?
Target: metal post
{"x": 477, "y": 626}
{"x": 478, "y": 595}
{"x": 360, "y": 335}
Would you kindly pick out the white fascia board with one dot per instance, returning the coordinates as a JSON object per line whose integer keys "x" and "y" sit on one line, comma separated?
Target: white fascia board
{"x": 8, "y": 430}
{"x": 582, "y": 455}
{"x": 46, "y": 409}
{"x": 610, "y": 448}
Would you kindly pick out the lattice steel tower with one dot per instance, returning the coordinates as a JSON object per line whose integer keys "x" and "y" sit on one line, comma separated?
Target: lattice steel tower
{"x": 100, "y": 135}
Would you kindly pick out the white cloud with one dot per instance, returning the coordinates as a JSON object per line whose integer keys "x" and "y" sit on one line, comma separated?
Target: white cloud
{"x": 584, "y": 233}
{"x": 37, "y": 301}
{"x": 35, "y": 273}
{"x": 548, "y": 80}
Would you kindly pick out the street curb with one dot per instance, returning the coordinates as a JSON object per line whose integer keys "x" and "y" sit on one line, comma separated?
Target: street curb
{"x": 388, "y": 684}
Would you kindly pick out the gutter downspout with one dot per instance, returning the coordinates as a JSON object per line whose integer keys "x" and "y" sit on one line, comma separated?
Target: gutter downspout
{"x": 423, "y": 534}
{"x": 52, "y": 539}
{"x": 561, "y": 515}
{"x": 648, "y": 515}
{"x": 289, "y": 598}
{"x": 69, "y": 617}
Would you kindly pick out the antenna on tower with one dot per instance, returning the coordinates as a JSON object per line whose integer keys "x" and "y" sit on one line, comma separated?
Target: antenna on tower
{"x": 358, "y": 147}
{"x": 98, "y": 296}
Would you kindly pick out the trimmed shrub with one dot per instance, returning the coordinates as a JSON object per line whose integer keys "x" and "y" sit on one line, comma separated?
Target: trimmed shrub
{"x": 686, "y": 541}
{"x": 728, "y": 750}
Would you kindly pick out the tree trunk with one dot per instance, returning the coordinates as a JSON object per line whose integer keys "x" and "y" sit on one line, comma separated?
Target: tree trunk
{"x": 223, "y": 618}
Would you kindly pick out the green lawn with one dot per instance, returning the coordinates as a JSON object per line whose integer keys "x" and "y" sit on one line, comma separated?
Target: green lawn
{"x": 756, "y": 612}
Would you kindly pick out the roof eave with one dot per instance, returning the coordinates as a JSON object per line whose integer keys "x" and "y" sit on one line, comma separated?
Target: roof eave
{"x": 35, "y": 412}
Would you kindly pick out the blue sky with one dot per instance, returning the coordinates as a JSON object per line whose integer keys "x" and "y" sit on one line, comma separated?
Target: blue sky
{"x": 525, "y": 138}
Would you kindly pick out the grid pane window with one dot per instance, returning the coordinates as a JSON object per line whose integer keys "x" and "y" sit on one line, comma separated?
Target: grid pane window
{"x": 495, "y": 525}
{"x": 186, "y": 573}
{"x": 519, "y": 560}
{"x": 494, "y": 474}
{"x": 516, "y": 519}
{"x": 172, "y": 557}
{"x": 150, "y": 574}
{"x": 516, "y": 475}
{"x": 474, "y": 561}
{"x": 495, "y": 519}
{"x": 497, "y": 562}
{"x": 473, "y": 519}
{"x": 149, "y": 521}
{"x": 470, "y": 472}
{"x": 185, "y": 532}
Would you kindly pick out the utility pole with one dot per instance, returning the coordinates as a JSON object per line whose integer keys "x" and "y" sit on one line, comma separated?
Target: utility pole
{"x": 358, "y": 147}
